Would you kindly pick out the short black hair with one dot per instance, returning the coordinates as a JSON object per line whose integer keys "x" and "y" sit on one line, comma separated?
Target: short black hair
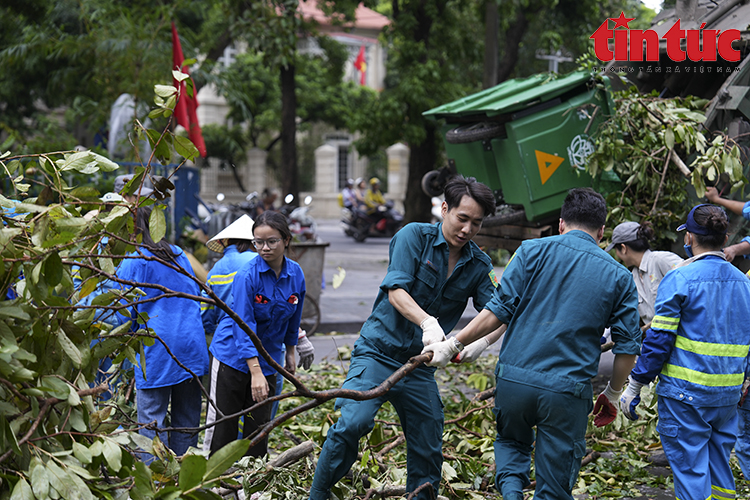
{"x": 585, "y": 208}
{"x": 459, "y": 186}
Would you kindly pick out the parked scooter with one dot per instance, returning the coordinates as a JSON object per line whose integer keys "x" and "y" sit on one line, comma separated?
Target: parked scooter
{"x": 301, "y": 223}
{"x": 383, "y": 223}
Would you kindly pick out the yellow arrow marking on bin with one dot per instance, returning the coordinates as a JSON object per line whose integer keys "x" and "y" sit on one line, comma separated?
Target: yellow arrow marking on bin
{"x": 547, "y": 164}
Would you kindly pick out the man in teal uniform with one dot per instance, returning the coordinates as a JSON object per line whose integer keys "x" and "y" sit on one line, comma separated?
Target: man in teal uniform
{"x": 556, "y": 295}
{"x": 433, "y": 271}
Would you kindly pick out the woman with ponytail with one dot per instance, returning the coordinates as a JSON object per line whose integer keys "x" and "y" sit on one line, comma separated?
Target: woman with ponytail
{"x": 698, "y": 347}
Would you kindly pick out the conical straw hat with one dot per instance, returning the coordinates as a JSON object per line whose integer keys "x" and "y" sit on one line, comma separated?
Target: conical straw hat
{"x": 241, "y": 229}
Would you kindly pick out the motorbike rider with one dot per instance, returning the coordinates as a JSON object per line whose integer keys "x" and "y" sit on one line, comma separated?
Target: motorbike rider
{"x": 349, "y": 197}
{"x": 374, "y": 197}
{"x": 360, "y": 191}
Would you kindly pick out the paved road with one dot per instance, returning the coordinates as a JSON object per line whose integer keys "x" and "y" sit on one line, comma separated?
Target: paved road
{"x": 344, "y": 309}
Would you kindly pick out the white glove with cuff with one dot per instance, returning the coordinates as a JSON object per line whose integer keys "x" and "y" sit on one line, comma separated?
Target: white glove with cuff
{"x": 431, "y": 331}
{"x": 305, "y": 350}
{"x": 630, "y": 399}
{"x": 443, "y": 352}
{"x": 472, "y": 351}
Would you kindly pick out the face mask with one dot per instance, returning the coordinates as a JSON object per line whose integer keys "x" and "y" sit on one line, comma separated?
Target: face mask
{"x": 688, "y": 250}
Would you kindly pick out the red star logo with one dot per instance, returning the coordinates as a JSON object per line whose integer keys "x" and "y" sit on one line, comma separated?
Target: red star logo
{"x": 621, "y": 21}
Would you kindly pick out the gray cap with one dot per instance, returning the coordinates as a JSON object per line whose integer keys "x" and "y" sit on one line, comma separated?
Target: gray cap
{"x": 121, "y": 180}
{"x": 624, "y": 233}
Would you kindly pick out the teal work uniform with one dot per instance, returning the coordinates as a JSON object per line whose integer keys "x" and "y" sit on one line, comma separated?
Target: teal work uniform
{"x": 557, "y": 295}
{"x": 698, "y": 346}
{"x": 419, "y": 265}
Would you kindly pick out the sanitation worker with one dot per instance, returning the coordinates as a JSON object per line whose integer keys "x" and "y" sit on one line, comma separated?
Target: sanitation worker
{"x": 557, "y": 295}
{"x": 698, "y": 346}
{"x": 433, "y": 270}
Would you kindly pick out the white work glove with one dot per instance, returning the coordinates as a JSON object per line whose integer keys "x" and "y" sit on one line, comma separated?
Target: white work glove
{"x": 630, "y": 399}
{"x": 443, "y": 351}
{"x": 605, "y": 408}
{"x": 431, "y": 331}
{"x": 305, "y": 350}
{"x": 472, "y": 351}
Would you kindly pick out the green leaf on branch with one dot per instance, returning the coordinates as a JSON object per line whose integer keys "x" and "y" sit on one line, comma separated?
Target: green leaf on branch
{"x": 157, "y": 224}
{"x": 22, "y": 491}
{"x": 192, "y": 470}
{"x": 224, "y": 458}
{"x": 70, "y": 349}
{"x": 185, "y": 148}
{"x": 669, "y": 138}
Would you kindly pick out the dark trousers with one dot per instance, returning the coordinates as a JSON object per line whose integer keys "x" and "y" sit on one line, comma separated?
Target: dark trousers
{"x": 232, "y": 391}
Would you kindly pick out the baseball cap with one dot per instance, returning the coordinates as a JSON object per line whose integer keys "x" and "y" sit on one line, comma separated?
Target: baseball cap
{"x": 241, "y": 229}
{"x": 693, "y": 226}
{"x": 121, "y": 180}
{"x": 623, "y": 233}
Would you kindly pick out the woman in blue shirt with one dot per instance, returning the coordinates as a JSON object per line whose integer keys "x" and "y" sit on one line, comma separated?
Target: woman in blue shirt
{"x": 698, "y": 346}
{"x": 268, "y": 294}
{"x": 177, "y": 322}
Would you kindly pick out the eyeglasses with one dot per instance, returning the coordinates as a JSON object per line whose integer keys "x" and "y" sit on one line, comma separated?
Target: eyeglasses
{"x": 272, "y": 243}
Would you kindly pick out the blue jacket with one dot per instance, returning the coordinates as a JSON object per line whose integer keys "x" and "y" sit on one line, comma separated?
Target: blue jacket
{"x": 271, "y": 307}
{"x": 220, "y": 280}
{"x": 698, "y": 340}
{"x": 419, "y": 265}
{"x": 557, "y": 295}
{"x": 176, "y": 320}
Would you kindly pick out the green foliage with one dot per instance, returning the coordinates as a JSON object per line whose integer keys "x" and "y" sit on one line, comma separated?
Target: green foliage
{"x": 81, "y": 55}
{"x": 642, "y": 144}
{"x": 58, "y": 439}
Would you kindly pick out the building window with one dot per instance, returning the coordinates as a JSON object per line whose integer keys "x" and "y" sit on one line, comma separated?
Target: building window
{"x": 343, "y": 166}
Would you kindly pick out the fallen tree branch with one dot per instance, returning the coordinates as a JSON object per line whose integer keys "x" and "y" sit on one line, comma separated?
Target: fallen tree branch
{"x": 291, "y": 455}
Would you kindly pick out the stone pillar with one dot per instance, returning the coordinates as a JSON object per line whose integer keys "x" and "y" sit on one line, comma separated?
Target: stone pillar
{"x": 398, "y": 172}
{"x": 254, "y": 172}
{"x": 326, "y": 194}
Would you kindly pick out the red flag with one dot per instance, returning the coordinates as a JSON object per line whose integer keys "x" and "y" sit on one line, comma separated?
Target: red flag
{"x": 361, "y": 64}
{"x": 185, "y": 110}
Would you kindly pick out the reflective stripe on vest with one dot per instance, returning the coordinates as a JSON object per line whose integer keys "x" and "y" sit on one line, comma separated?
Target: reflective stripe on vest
{"x": 700, "y": 378}
{"x": 710, "y": 349}
{"x": 665, "y": 323}
{"x": 221, "y": 279}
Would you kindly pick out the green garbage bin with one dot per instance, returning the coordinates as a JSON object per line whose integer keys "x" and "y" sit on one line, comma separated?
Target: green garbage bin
{"x": 527, "y": 137}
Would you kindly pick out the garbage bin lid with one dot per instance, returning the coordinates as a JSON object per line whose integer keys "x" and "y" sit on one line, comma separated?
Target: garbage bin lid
{"x": 512, "y": 95}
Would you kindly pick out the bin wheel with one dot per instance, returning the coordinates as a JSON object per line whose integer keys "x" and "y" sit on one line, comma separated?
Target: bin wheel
{"x": 430, "y": 184}
{"x": 474, "y": 132}
{"x": 310, "y": 316}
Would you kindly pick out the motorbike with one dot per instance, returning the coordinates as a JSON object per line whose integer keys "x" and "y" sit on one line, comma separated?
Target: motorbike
{"x": 301, "y": 223}
{"x": 382, "y": 223}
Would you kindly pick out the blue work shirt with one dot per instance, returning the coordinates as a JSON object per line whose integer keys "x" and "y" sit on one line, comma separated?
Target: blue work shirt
{"x": 418, "y": 264}
{"x": 271, "y": 307}
{"x": 746, "y": 215}
{"x": 699, "y": 337}
{"x": 175, "y": 320}
{"x": 557, "y": 295}
{"x": 220, "y": 280}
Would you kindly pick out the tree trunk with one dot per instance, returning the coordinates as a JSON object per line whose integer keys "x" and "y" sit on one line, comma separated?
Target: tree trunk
{"x": 491, "y": 27}
{"x": 422, "y": 159}
{"x": 513, "y": 38}
{"x": 289, "y": 174}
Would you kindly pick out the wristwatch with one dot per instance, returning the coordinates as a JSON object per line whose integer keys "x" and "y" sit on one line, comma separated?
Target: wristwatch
{"x": 457, "y": 343}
